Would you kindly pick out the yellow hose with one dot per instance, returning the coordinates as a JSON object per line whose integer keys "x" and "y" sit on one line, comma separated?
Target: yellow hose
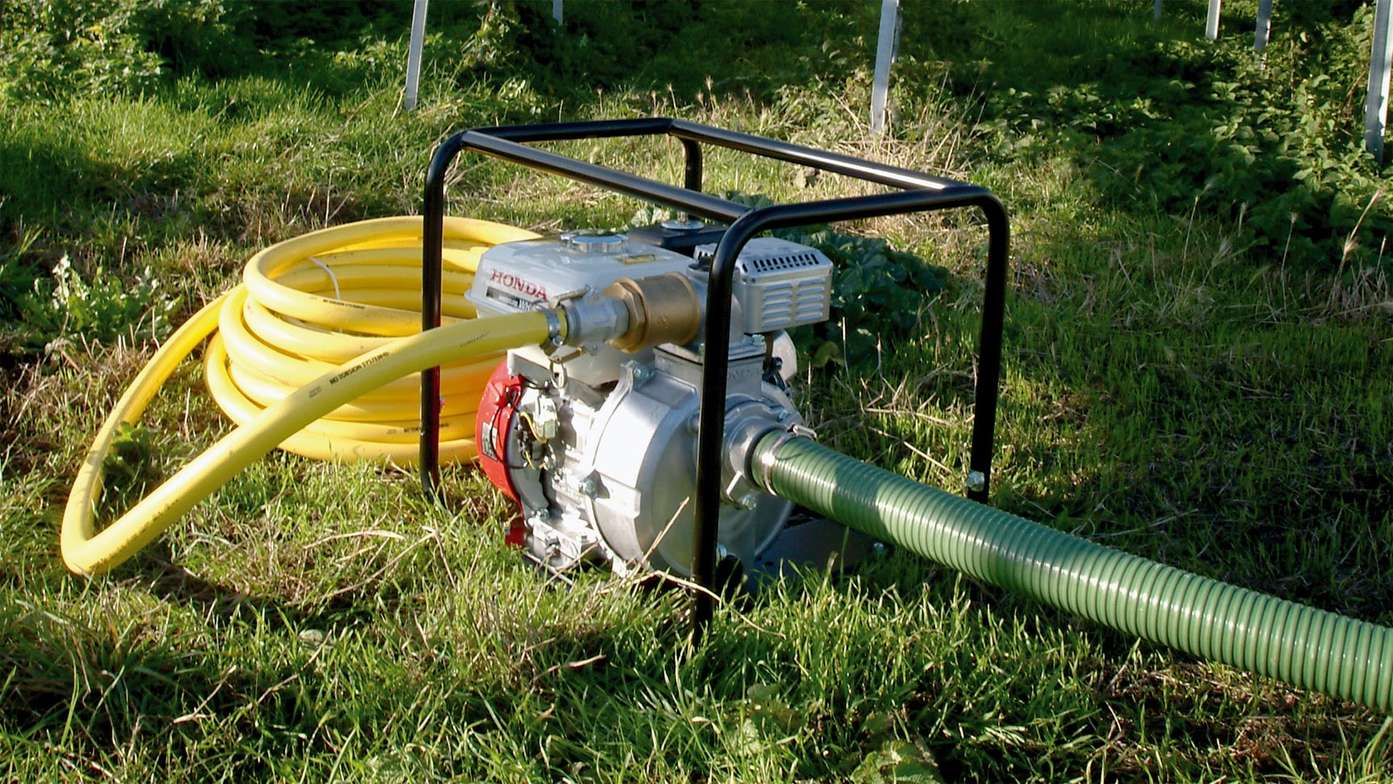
{"x": 311, "y": 352}
{"x": 315, "y": 301}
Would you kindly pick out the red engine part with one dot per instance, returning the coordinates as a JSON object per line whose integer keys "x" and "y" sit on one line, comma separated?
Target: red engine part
{"x": 494, "y": 423}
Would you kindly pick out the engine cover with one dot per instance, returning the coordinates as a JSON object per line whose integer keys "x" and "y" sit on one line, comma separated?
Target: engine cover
{"x": 517, "y": 276}
{"x": 493, "y": 424}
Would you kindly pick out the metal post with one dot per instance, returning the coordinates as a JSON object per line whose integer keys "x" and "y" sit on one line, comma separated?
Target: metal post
{"x": 556, "y": 10}
{"x": 413, "y": 55}
{"x": 1376, "y": 105}
{"x": 1264, "y": 28}
{"x": 884, "y": 59}
{"x": 1211, "y": 22}
{"x": 1156, "y": 10}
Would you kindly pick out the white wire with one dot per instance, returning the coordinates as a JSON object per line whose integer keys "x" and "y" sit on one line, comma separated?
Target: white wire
{"x": 334, "y": 279}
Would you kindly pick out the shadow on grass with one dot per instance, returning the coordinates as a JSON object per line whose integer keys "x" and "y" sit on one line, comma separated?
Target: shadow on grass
{"x": 47, "y": 180}
{"x": 162, "y": 683}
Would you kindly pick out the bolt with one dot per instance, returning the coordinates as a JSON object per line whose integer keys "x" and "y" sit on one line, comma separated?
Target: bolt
{"x": 976, "y": 481}
{"x": 879, "y": 550}
{"x": 639, "y": 373}
{"x": 586, "y": 487}
{"x": 748, "y": 501}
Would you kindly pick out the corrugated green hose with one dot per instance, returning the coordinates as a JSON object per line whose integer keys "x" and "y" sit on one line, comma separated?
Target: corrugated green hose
{"x": 1310, "y": 648}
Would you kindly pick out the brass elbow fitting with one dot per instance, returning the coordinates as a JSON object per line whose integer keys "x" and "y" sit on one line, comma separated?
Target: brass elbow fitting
{"x": 662, "y": 309}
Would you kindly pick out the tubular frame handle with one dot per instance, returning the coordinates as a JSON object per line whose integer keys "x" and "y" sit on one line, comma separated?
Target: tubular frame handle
{"x": 921, "y": 193}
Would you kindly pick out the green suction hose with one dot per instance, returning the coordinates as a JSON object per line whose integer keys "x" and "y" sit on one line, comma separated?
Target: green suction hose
{"x": 1309, "y": 648}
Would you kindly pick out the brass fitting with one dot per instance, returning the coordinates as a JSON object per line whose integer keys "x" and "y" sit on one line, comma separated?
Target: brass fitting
{"x": 662, "y": 309}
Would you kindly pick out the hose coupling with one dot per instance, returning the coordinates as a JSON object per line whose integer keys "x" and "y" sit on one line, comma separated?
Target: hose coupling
{"x": 661, "y": 309}
{"x": 556, "y": 326}
{"x": 762, "y": 468}
{"x": 591, "y": 319}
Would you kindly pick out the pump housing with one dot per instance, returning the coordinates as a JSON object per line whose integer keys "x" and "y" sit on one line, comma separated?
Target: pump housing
{"x": 597, "y": 445}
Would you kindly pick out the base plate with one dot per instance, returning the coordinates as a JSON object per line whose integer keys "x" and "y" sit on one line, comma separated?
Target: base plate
{"x": 809, "y": 543}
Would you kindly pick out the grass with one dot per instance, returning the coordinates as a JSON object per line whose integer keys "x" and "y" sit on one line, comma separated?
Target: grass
{"x": 1171, "y": 389}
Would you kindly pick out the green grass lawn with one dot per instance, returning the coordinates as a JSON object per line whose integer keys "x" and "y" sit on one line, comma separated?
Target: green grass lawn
{"x": 1198, "y": 369}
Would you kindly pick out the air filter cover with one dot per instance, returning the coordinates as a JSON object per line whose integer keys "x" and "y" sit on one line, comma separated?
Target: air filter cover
{"x": 779, "y": 284}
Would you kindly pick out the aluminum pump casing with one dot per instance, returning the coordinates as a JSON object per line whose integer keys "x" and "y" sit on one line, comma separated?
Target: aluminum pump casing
{"x": 601, "y": 453}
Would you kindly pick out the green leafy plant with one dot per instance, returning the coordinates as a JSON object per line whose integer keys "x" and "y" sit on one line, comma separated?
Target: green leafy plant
{"x": 53, "y": 48}
{"x": 103, "y": 307}
{"x": 1271, "y": 144}
{"x": 64, "y": 305}
{"x": 878, "y": 292}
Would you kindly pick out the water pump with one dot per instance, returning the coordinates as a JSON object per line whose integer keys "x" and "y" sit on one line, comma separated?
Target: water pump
{"x": 597, "y": 443}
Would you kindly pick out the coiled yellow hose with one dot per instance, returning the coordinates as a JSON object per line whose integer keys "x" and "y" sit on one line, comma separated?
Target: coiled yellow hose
{"x": 311, "y": 303}
{"x": 316, "y": 330}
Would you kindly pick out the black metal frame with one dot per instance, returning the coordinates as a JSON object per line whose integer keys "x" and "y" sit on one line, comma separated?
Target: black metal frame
{"x": 920, "y": 193}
